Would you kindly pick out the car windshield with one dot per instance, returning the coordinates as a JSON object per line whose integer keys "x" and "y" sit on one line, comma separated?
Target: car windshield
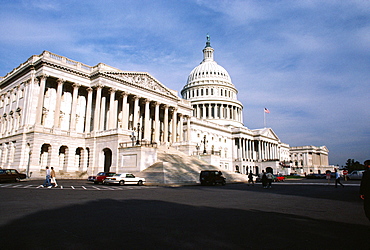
{"x": 101, "y": 173}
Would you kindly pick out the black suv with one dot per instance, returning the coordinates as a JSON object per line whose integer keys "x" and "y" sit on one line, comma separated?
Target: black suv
{"x": 212, "y": 177}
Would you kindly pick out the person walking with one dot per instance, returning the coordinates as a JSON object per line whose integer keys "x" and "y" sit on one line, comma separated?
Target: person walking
{"x": 264, "y": 179}
{"x": 365, "y": 189}
{"x": 337, "y": 178}
{"x": 328, "y": 176}
{"x": 53, "y": 180}
{"x": 47, "y": 178}
{"x": 250, "y": 178}
{"x": 269, "y": 179}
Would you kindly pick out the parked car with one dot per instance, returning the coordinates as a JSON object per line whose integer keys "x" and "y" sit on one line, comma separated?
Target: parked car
{"x": 11, "y": 175}
{"x": 279, "y": 178}
{"x": 212, "y": 177}
{"x": 355, "y": 175}
{"x": 100, "y": 177}
{"x": 125, "y": 178}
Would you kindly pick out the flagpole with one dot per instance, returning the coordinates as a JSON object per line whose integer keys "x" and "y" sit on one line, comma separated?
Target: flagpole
{"x": 264, "y": 118}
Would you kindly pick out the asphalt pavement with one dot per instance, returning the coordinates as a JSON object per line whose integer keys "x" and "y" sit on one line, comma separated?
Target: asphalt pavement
{"x": 296, "y": 214}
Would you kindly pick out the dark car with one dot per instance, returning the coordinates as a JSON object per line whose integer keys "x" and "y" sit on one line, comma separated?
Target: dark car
{"x": 315, "y": 176}
{"x": 11, "y": 175}
{"x": 212, "y": 177}
{"x": 100, "y": 177}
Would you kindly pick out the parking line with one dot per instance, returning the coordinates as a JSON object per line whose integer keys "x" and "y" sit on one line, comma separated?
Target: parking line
{"x": 83, "y": 187}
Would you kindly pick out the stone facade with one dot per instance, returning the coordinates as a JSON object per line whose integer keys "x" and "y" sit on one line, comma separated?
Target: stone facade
{"x": 82, "y": 120}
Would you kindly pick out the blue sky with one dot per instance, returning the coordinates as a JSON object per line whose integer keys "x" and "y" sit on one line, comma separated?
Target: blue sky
{"x": 307, "y": 61}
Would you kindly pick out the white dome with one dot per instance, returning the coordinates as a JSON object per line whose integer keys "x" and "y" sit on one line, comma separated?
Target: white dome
{"x": 211, "y": 92}
{"x": 209, "y": 70}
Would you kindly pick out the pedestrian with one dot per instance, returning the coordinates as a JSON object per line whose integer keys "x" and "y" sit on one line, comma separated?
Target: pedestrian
{"x": 337, "y": 178}
{"x": 269, "y": 179}
{"x": 53, "y": 180}
{"x": 328, "y": 176}
{"x": 365, "y": 189}
{"x": 47, "y": 178}
{"x": 264, "y": 179}
{"x": 250, "y": 178}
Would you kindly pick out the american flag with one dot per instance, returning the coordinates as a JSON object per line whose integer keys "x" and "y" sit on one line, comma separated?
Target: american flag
{"x": 267, "y": 111}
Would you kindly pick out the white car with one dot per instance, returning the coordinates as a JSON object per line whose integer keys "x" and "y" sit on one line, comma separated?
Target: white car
{"x": 355, "y": 175}
{"x": 125, "y": 178}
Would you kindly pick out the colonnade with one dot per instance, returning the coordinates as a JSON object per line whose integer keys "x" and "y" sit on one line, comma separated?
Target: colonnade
{"x": 109, "y": 109}
{"x": 217, "y": 111}
{"x": 247, "y": 149}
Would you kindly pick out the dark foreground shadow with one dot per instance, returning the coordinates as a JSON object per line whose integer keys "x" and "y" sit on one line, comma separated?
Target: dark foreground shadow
{"x": 148, "y": 224}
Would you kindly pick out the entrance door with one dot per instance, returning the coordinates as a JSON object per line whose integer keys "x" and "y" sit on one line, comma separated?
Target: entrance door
{"x": 107, "y": 159}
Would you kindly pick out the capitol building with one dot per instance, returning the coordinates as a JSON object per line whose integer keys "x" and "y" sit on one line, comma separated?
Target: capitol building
{"x": 83, "y": 119}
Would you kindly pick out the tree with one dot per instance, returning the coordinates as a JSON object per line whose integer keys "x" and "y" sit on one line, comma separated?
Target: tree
{"x": 351, "y": 165}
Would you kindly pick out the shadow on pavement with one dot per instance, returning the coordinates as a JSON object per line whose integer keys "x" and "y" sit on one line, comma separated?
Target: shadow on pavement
{"x": 349, "y": 193}
{"x": 151, "y": 224}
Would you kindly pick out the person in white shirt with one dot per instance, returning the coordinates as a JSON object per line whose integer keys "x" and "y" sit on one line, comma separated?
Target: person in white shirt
{"x": 269, "y": 179}
{"x": 337, "y": 178}
{"x": 47, "y": 178}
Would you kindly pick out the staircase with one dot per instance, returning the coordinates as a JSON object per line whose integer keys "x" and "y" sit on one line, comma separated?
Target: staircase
{"x": 175, "y": 167}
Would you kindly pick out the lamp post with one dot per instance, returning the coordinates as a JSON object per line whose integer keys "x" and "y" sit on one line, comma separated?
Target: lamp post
{"x": 29, "y": 163}
{"x": 138, "y": 134}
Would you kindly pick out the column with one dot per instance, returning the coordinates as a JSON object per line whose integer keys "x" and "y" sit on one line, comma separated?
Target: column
{"x": 252, "y": 153}
{"x": 181, "y": 128}
{"x": 209, "y": 111}
{"x": 40, "y": 102}
{"x": 102, "y": 124}
{"x": 146, "y": 121}
{"x": 125, "y": 113}
{"x": 174, "y": 125}
{"x": 97, "y": 107}
{"x": 165, "y": 124}
{"x": 240, "y": 154}
{"x": 60, "y": 83}
{"x": 72, "y": 125}
{"x": 157, "y": 123}
{"x": 88, "y": 110}
{"x": 188, "y": 128}
{"x": 112, "y": 118}
{"x": 136, "y": 111}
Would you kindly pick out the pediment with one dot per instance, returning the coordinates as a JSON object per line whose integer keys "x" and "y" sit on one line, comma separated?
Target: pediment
{"x": 266, "y": 132}
{"x": 143, "y": 80}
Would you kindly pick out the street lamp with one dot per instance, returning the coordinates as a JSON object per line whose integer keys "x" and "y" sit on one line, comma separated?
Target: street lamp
{"x": 138, "y": 134}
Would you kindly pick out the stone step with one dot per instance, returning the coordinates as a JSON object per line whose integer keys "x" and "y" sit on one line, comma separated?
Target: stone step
{"x": 175, "y": 167}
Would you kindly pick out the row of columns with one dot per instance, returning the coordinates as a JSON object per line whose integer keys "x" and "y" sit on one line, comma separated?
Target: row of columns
{"x": 217, "y": 111}
{"x": 111, "y": 116}
{"x": 255, "y": 149}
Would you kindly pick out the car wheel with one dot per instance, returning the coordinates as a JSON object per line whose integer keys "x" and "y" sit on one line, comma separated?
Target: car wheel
{"x": 96, "y": 182}
{"x": 121, "y": 183}
{"x": 140, "y": 183}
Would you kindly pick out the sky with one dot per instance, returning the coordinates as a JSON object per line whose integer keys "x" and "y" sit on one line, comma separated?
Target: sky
{"x": 307, "y": 61}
